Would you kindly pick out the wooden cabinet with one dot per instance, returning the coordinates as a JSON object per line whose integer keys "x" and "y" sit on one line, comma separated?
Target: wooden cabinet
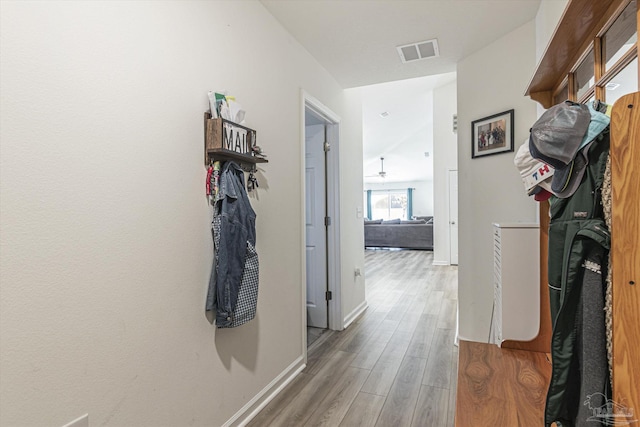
{"x": 625, "y": 249}
{"x": 581, "y": 28}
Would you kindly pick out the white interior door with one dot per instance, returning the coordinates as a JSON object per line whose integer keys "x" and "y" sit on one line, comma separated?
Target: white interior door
{"x": 316, "y": 234}
{"x": 453, "y": 216}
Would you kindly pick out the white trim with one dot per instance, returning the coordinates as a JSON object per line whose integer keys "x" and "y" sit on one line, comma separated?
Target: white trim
{"x": 333, "y": 210}
{"x": 463, "y": 338}
{"x": 456, "y": 341}
{"x": 272, "y": 389}
{"x": 319, "y": 108}
{"x": 336, "y": 321}
{"x": 351, "y": 317}
{"x": 303, "y": 221}
{"x": 440, "y": 263}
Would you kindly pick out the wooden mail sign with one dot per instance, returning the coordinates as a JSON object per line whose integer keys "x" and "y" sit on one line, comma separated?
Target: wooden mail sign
{"x": 227, "y": 135}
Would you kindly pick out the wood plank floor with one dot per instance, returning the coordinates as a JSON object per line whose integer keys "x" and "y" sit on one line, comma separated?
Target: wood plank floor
{"x": 501, "y": 387}
{"x": 395, "y": 366}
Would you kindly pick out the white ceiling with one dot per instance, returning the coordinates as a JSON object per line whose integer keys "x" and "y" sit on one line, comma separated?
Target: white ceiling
{"x": 356, "y": 40}
{"x": 405, "y": 134}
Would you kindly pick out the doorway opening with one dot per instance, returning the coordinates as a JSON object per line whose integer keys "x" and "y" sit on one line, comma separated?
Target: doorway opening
{"x": 322, "y": 221}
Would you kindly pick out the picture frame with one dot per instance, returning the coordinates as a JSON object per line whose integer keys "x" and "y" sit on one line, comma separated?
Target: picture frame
{"x": 492, "y": 135}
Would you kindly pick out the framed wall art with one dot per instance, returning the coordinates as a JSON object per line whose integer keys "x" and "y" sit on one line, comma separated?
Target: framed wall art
{"x": 492, "y": 135}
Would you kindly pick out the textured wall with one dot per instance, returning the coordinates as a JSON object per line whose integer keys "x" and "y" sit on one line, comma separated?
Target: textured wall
{"x": 106, "y": 247}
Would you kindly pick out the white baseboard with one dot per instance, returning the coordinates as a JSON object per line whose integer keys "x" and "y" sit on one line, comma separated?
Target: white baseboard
{"x": 355, "y": 313}
{"x": 434, "y": 262}
{"x": 266, "y": 395}
{"x": 463, "y": 338}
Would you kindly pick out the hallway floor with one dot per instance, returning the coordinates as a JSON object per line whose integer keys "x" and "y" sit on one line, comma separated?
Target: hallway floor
{"x": 395, "y": 366}
{"x": 313, "y": 334}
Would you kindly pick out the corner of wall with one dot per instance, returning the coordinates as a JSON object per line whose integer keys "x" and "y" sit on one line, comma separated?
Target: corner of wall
{"x": 445, "y": 150}
{"x": 490, "y": 189}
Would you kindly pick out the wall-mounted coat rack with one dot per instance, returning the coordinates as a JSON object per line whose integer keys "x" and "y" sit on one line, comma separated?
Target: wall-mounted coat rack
{"x": 225, "y": 140}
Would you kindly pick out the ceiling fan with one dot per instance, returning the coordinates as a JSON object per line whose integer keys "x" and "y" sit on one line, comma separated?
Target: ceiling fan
{"x": 382, "y": 173}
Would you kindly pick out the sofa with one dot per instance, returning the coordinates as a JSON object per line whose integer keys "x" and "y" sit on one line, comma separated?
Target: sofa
{"x": 410, "y": 234}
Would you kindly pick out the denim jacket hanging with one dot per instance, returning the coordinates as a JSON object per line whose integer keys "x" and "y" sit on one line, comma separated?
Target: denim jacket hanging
{"x": 233, "y": 286}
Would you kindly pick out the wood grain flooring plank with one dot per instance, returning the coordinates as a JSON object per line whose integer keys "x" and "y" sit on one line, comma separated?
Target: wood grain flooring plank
{"x": 422, "y": 336}
{"x": 269, "y": 412}
{"x": 342, "y": 341}
{"x": 438, "y": 280}
{"x": 400, "y": 405}
{"x": 434, "y": 302}
{"x": 298, "y": 411}
{"x": 371, "y": 352}
{"x": 365, "y": 331}
{"x": 438, "y": 372}
{"x": 500, "y": 387}
{"x": 481, "y": 400}
{"x": 532, "y": 376}
{"x": 421, "y": 297}
{"x": 382, "y": 376}
{"x": 387, "y": 300}
{"x": 447, "y": 314}
{"x": 451, "y": 409}
{"x": 335, "y": 405}
{"x": 392, "y": 339}
{"x": 451, "y": 282}
{"x": 432, "y": 407}
{"x": 399, "y": 309}
{"x": 321, "y": 354}
{"x": 408, "y": 325}
{"x": 384, "y": 372}
{"x": 364, "y": 411}
{"x": 356, "y": 342}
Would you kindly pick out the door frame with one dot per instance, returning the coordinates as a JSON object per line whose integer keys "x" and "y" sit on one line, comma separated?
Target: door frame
{"x": 449, "y": 171}
{"x": 336, "y": 321}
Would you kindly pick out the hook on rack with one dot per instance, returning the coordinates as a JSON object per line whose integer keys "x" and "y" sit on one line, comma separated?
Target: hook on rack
{"x": 252, "y": 181}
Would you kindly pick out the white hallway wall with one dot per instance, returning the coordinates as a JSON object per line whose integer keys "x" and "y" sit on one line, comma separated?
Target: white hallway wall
{"x": 490, "y": 81}
{"x": 106, "y": 247}
{"x": 547, "y": 19}
{"x": 351, "y": 205}
{"x": 445, "y": 154}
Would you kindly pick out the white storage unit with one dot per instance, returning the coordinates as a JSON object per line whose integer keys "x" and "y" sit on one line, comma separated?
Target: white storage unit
{"x": 516, "y": 295}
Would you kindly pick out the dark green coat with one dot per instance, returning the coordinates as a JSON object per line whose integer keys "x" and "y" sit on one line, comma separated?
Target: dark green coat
{"x": 576, "y": 227}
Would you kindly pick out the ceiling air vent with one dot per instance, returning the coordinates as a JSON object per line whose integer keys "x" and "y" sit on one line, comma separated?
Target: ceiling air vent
{"x": 419, "y": 50}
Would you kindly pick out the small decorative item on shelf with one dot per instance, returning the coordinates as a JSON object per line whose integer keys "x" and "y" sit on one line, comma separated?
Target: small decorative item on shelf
{"x": 226, "y": 140}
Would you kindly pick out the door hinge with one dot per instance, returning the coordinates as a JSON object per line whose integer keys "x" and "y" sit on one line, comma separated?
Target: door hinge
{"x": 327, "y": 146}
{"x": 327, "y": 221}
{"x": 328, "y": 296}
